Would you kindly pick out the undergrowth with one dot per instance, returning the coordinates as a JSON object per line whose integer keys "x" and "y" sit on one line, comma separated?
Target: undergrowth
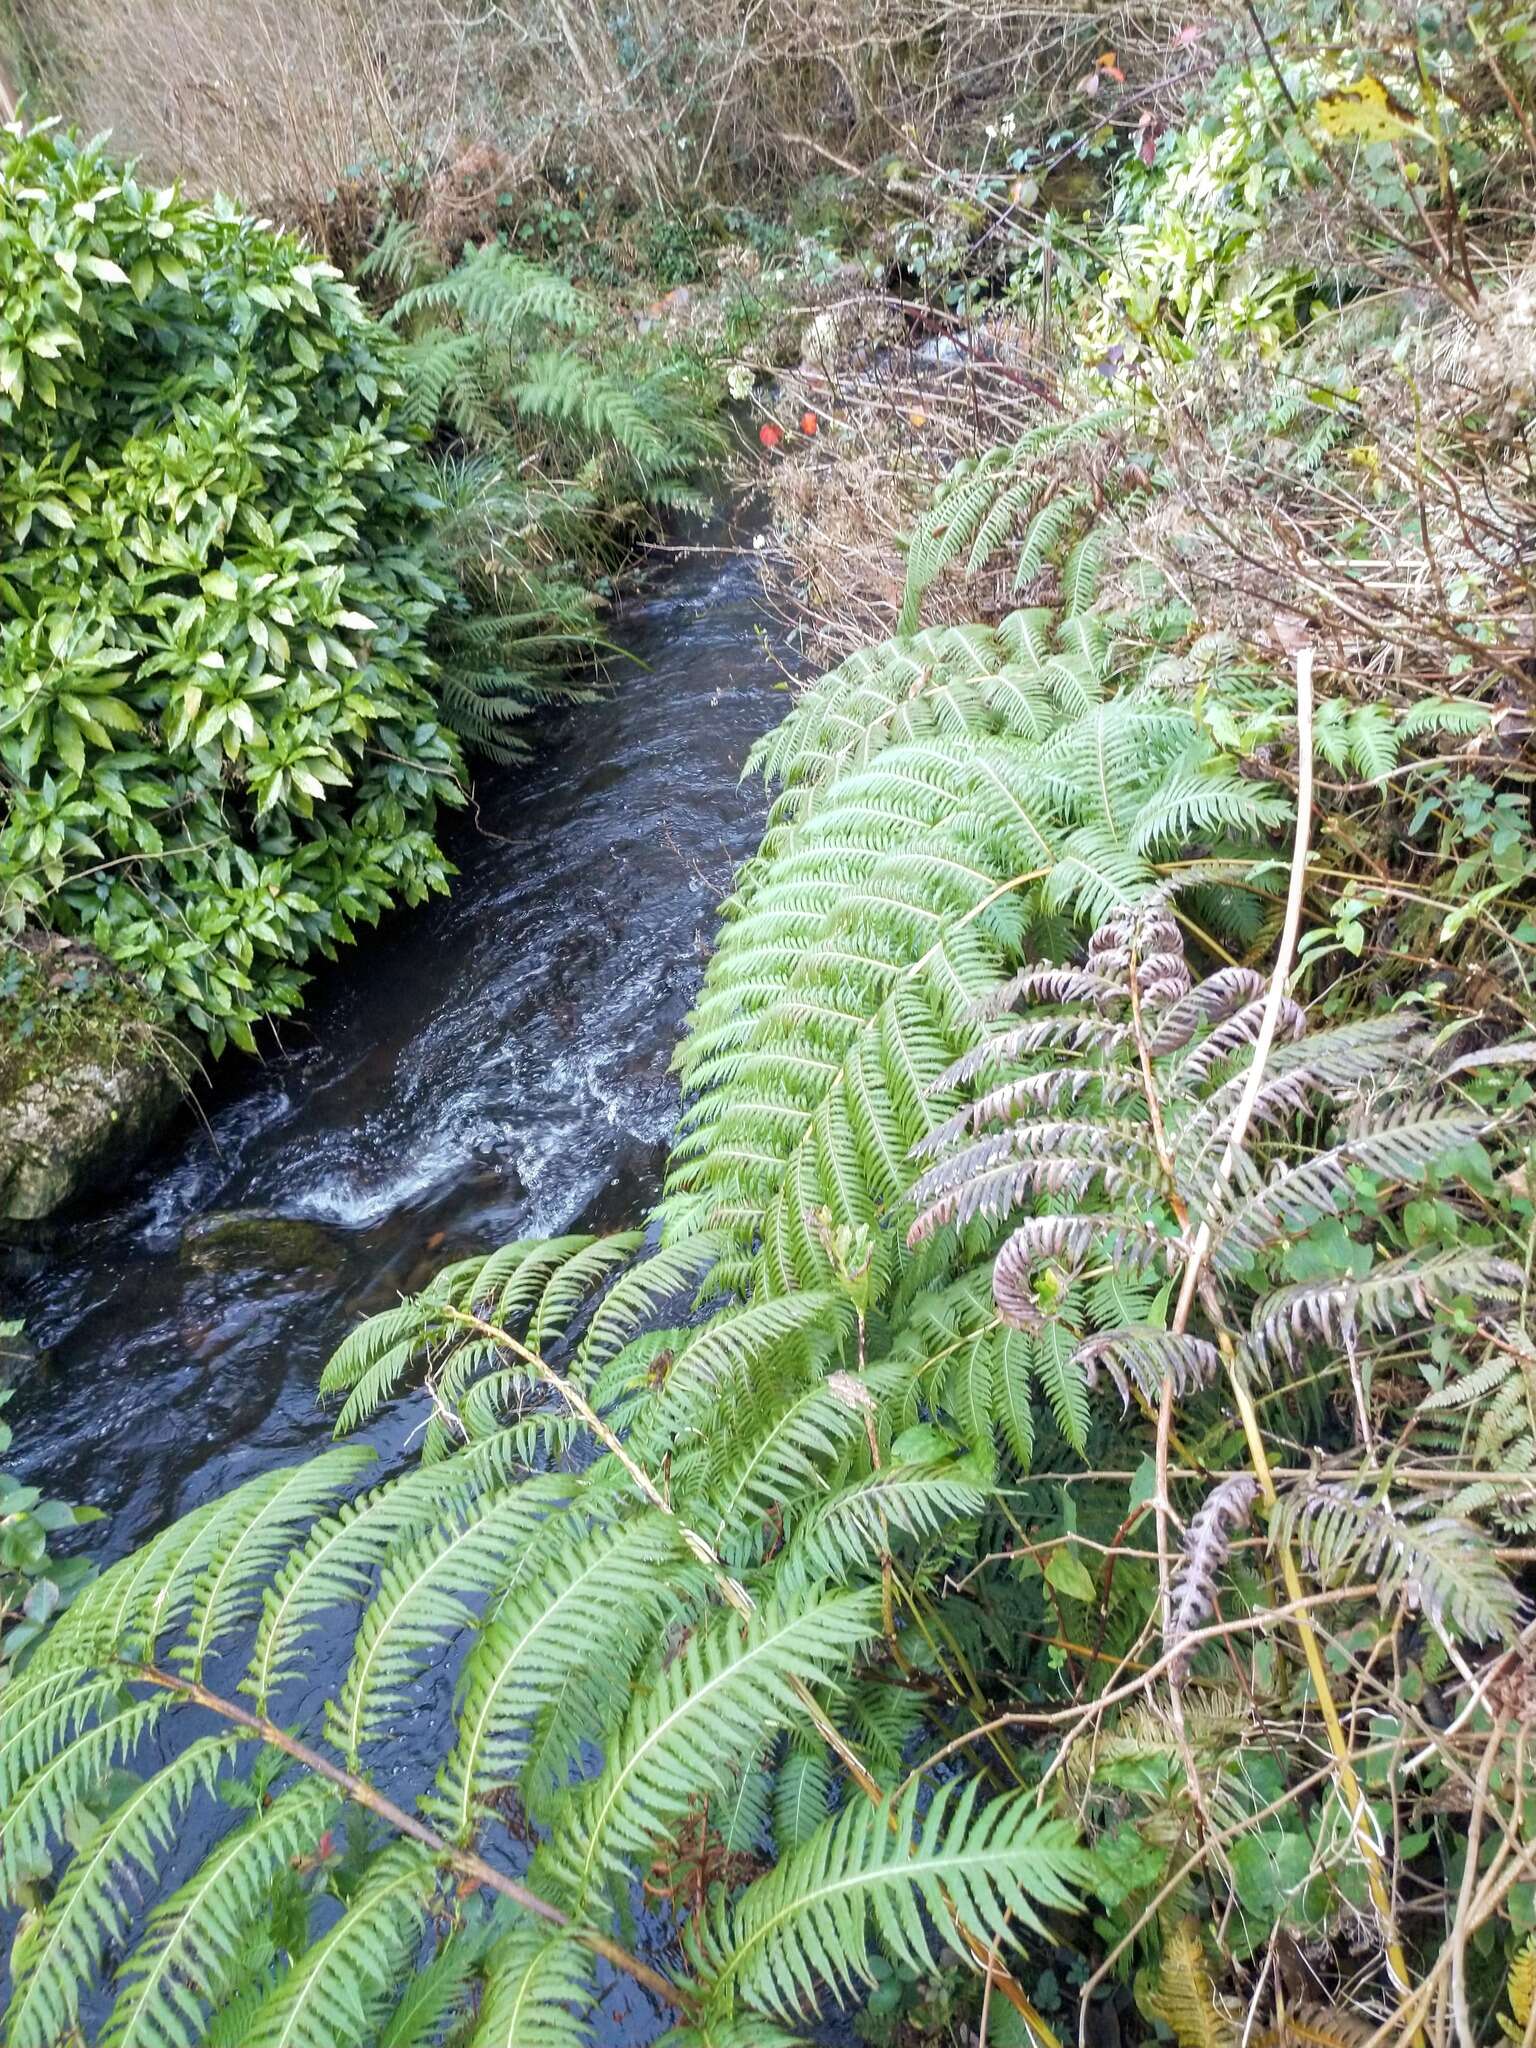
{"x": 270, "y": 565}
{"x": 1030, "y": 1538}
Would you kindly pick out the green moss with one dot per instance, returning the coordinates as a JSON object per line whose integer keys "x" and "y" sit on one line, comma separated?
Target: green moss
{"x": 59, "y": 1001}
{"x": 89, "y": 1074}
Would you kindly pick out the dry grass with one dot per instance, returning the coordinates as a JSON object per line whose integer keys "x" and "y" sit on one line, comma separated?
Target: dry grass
{"x": 895, "y": 409}
{"x": 279, "y": 101}
{"x": 275, "y": 100}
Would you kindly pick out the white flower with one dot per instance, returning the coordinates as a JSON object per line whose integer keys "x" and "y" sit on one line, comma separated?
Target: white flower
{"x": 739, "y": 379}
{"x": 759, "y": 541}
{"x": 1010, "y": 123}
{"x": 991, "y": 131}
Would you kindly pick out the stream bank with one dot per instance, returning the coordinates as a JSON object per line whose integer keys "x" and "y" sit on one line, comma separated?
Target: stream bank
{"x": 89, "y": 1079}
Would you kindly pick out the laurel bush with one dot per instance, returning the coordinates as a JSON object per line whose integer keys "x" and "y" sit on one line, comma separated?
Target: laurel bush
{"x": 218, "y": 734}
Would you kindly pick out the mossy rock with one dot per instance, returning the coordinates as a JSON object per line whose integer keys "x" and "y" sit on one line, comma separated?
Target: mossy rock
{"x": 88, "y": 1078}
{"x": 235, "y": 1240}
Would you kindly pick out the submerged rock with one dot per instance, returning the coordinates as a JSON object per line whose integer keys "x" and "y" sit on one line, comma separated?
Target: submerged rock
{"x": 233, "y": 1240}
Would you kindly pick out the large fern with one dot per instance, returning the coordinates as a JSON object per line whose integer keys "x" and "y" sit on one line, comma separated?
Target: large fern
{"x": 1101, "y": 1136}
{"x": 951, "y": 802}
{"x": 555, "y": 437}
{"x": 755, "y": 1556}
{"x": 1039, "y": 493}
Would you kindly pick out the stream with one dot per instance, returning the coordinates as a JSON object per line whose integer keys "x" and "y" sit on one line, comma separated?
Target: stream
{"x": 491, "y": 1067}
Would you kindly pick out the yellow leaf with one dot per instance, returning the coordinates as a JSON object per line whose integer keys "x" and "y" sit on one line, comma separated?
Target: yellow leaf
{"x": 1522, "y": 1990}
{"x": 1183, "y": 1997}
{"x": 1365, "y": 112}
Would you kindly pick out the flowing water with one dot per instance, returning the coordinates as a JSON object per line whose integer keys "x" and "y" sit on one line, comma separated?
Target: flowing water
{"x": 493, "y": 1067}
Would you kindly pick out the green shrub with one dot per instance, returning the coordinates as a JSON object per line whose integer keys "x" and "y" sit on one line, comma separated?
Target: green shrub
{"x": 1184, "y": 254}
{"x": 218, "y": 735}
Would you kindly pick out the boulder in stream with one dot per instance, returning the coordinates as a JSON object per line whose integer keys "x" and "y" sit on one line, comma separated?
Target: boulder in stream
{"x": 88, "y": 1080}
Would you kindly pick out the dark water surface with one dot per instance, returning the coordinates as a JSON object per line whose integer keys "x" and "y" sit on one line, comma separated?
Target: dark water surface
{"x": 492, "y": 1067}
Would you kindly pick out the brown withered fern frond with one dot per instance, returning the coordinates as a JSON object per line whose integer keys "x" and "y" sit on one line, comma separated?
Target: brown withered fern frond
{"x": 1431, "y": 1563}
{"x": 1092, "y": 1155}
{"x": 1208, "y": 1540}
{"x": 1110, "y": 1110}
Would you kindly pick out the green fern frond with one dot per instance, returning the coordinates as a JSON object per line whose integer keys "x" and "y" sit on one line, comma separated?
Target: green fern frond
{"x": 716, "y": 1360}
{"x": 788, "y": 1460}
{"x": 336, "y": 1566}
{"x": 243, "y": 1545}
{"x": 51, "y": 1779}
{"x": 402, "y": 254}
{"x": 423, "y": 1600}
{"x": 980, "y": 504}
{"x": 341, "y": 1985}
{"x": 538, "y": 1993}
{"x": 560, "y": 387}
{"x": 852, "y": 1532}
{"x": 906, "y": 1868}
{"x": 802, "y": 1795}
{"x": 578, "y": 1606}
{"x": 61, "y": 1952}
{"x": 189, "y": 1955}
{"x": 492, "y": 289}
{"x": 731, "y": 2033}
{"x": 705, "y": 1721}
{"x": 435, "y": 1999}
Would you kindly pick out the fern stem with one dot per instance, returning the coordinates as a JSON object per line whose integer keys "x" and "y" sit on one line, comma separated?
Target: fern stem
{"x": 1162, "y": 1504}
{"x": 464, "y": 1861}
{"x": 1349, "y": 1784}
{"x": 1274, "y": 997}
{"x": 1461, "y": 1925}
{"x": 731, "y": 1590}
{"x": 1198, "y": 1253}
